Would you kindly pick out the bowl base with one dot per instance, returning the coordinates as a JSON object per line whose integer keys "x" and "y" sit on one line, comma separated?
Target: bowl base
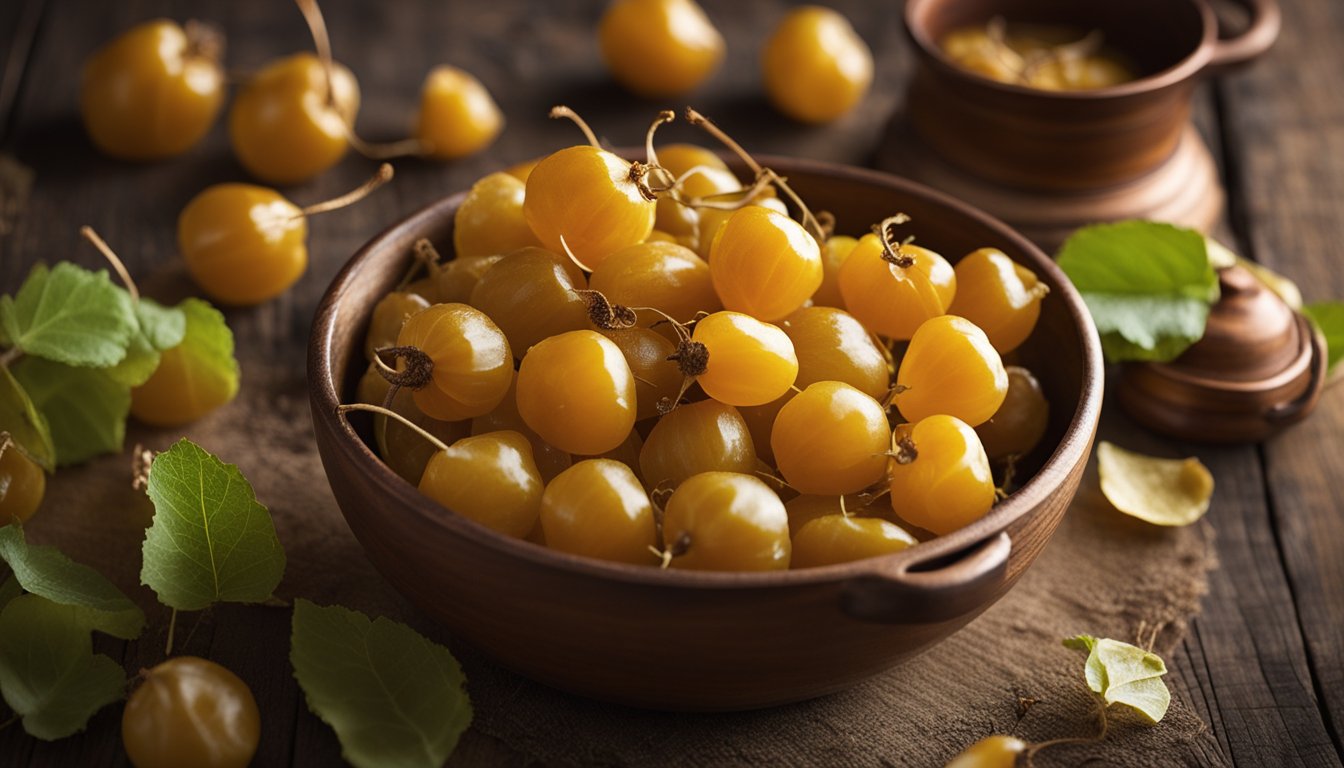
{"x": 1184, "y": 190}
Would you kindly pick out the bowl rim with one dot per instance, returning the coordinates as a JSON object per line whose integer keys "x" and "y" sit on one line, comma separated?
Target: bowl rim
{"x": 1075, "y": 445}
{"x": 1180, "y": 72}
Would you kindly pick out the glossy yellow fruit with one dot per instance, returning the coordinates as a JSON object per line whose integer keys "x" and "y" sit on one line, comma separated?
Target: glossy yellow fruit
{"x": 816, "y": 66}
{"x": 760, "y": 421}
{"x": 665, "y": 276}
{"x": 942, "y": 481}
{"x": 806, "y": 508}
{"x": 833, "y": 256}
{"x": 657, "y": 379}
{"x": 990, "y": 752}
{"x": 698, "y": 183}
{"x": 488, "y": 478}
{"x": 530, "y": 298}
{"x": 490, "y": 219}
{"x": 764, "y": 264}
{"x": 22, "y": 485}
{"x": 453, "y": 282}
{"x": 550, "y": 460}
{"x": 680, "y": 158}
{"x": 597, "y": 508}
{"x": 389, "y": 315}
{"x": 999, "y": 295}
{"x": 1020, "y": 423}
{"x": 402, "y": 449}
{"x": 587, "y": 198}
{"x": 243, "y": 244}
{"x": 832, "y": 345}
{"x": 576, "y": 391}
{"x": 473, "y": 364}
{"x": 288, "y": 125}
{"x": 457, "y": 117}
{"x": 711, "y": 220}
{"x": 724, "y": 521}
{"x": 190, "y": 711}
{"x": 950, "y": 367}
{"x": 152, "y": 92}
{"x": 831, "y": 439}
{"x": 659, "y": 47}
{"x": 834, "y": 539}
{"x": 750, "y": 362}
{"x": 700, "y": 437}
{"x": 892, "y": 300}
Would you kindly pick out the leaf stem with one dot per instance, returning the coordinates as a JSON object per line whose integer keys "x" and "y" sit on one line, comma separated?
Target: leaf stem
{"x": 405, "y": 422}
{"x": 172, "y": 627}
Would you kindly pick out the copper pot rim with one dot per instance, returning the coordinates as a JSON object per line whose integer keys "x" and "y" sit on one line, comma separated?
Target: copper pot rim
{"x": 1183, "y": 71}
{"x": 1075, "y": 446}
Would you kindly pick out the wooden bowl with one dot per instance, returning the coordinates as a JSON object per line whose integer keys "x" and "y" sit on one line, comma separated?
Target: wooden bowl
{"x": 682, "y": 640}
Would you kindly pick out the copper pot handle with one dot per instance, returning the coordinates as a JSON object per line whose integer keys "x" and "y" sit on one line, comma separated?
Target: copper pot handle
{"x": 940, "y": 588}
{"x": 1253, "y": 41}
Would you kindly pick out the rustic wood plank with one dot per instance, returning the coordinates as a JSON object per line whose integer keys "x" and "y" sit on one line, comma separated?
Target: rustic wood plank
{"x": 1286, "y": 115}
{"x": 19, "y": 22}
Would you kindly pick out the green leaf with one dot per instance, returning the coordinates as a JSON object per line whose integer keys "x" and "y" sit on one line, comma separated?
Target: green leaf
{"x": 158, "y": 328}
{"x": 86, "y": 408}
{"x": 210, "y": 539}
{"x": 1124, "y": 674}
{"x": 393, "y": 697}
{"x": 1148, "y": 286}
{"x": 207, "y": 350}
{"x": 26, "y": 425}
{"x": 49, "y": 673}
{"x": 70, "y": 315}
{"x": 1329, "y": 317}
{"x": 47, "y": 572}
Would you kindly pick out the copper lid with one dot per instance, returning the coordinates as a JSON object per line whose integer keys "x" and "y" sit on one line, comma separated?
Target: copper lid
{"x": 1259, "y": 367}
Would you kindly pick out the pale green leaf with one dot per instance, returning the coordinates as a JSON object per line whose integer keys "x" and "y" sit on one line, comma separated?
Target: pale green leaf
{"x": 394, "y": 698}
{"x": 1148, "y": 286}
{"x": 1329, "y": 317}
{"x": 1125, "y": 674}
{"x": 210, "y": 540}
{"x": 85, "y": 407}
{"x": 47, "y": 572}
{"x": 140, "y": 362}
{"x": 158, "y": 328}
{"x": 27, "y": 427}
{"x": 70, "y": 315}
{"x": 49, "y": 673}
{"x": 1171, "y": 492}
{"x": 207, "y": 350}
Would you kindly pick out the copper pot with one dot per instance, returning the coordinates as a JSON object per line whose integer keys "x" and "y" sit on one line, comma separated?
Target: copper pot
{"x": 696, "y": 640}
{"x": 1050, "y": 141}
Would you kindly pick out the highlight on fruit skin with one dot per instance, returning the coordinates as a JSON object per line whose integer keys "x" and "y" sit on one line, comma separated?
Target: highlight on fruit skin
{"x": 659, "y": 48}
{"x": 190, "y": 711}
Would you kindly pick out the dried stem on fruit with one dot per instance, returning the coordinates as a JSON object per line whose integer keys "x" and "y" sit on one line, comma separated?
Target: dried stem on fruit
{"x": 904, "y": 451}
{"x": 417, "y": 374}
{"x": 341, "y": 410}
{"x": 560, "y": 110}
{"x": 423, "y": 256}
{"x": 317, "y": 27}
{"x": 891, "y": 250}
{"x": 380, "y": 177}
{"x": 605, "y": 314}
{"x": 88, "y": 234}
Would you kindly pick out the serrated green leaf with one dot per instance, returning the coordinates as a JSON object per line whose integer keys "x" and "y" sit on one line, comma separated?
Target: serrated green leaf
{"x": 1148, "y": 286}
{"x": 1329, "y": 317}
{"x": 70, "y": 315}
{"x": 85, "y": 408}
{"x": 1125, "y": 674}
{"x": 140, "y": 362}
{"x": 210, "y": 540}
{"x": 158, "y": 328}
{"x": 207, "y": 351}
{"x": 27, "y": 427}
{"x": 394, "y": 698}
{"x": 47, "y": 572}
{"x": 49, "y": 673}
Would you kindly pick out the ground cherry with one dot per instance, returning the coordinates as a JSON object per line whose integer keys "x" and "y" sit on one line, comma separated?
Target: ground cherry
{"x": 1020, "y": 422}
{"x": 454, "y": 281}
{"x": 807, "y": 507}
{"x": 597, "y": 508}
{"x": 940, "y": 478}
{"x": 725, "y": 521}
{"x": 657, "y": 379}
{"x": 677, "y": 215}
{"x": 711, "y": 220}
{"x": 489, "y": 478}
{"x": 764, "y": 264}
{"x": 834, "y": 539}
{"x": 832, "y": 345}
{"x": 550, "y": 460}
{"x": 892, "y": 291}
{"x": 472, "y": 362}
{"x": 761, "y": 420}
{"x": 990, "y": 752}
{"x": 626, "y": 453}
{"x": 950, "y": 367}
{"x": 680, "y": 158}
{"x": 999, "y": 295}
{"x": 833, "y": 255}
{"x": 659, "y": 47}
{"x": 749, "y": 362}
{"x": 665, "y": 276}
{"x": 154, "y": 91}
{"x": 816, "y": 66}
{"x": 699, "y": 437}
{"x": 389, "y": 314}
{"x": 190, "y": 711}
{"x": 404, "y": 450}
{"x": 290, "y": 122}
{"x": 490, "y": 219}
{"x": 588, "y": 201}
{"x": 530, "y": 298}
{"x": 831, "y": 439}
{"x": 576, "y": 391}
{"x": 22, "y": 484}
{"x": 457, "y": 115}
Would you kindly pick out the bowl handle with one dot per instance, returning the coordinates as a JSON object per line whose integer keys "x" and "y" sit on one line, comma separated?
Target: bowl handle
{"x": 1287, "y": 413}
{"x": 1253, "y": 41}
{"x": 938, "y": 589}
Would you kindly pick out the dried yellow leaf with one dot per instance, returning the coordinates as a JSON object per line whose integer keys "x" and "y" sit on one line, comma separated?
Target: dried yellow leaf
{"x": 1159, "y": 491}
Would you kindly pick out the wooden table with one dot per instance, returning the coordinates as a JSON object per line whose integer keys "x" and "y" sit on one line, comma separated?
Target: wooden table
{"x": 1264, "y": 662}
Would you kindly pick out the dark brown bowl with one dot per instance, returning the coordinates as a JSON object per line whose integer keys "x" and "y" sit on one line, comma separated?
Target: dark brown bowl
{"x": 690, "y": 640}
